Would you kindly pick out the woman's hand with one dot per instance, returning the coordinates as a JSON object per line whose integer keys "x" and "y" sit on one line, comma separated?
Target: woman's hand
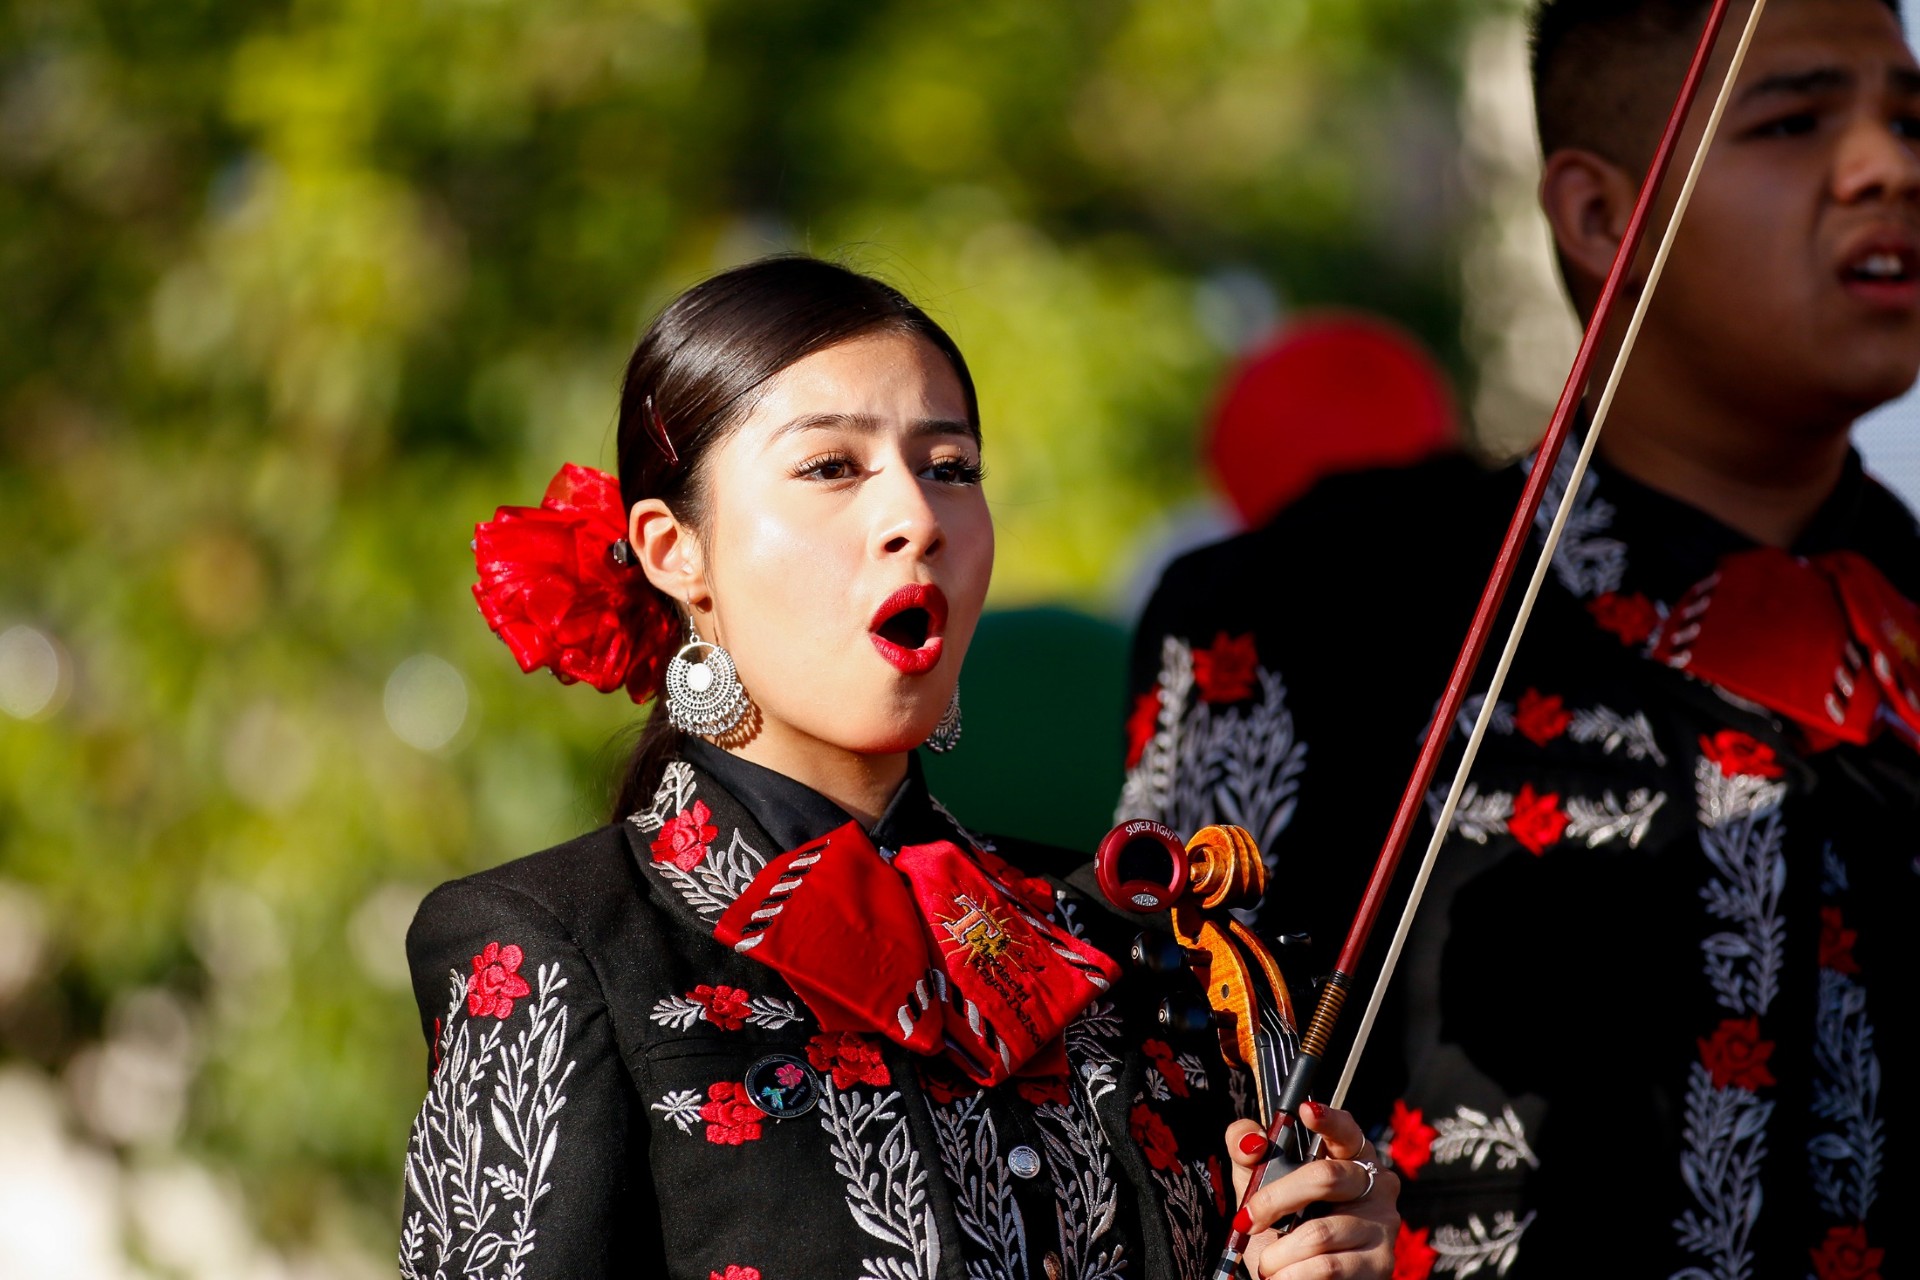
{"x": 1354, "y": 1239}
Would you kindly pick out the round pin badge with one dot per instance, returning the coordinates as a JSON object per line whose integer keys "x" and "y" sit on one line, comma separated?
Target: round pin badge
{"x": 783, "y": 1086}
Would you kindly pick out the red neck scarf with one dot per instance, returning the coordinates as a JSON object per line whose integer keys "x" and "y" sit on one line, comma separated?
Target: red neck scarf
{"x": 1825, "y": 641}
{"x": 941, "y": 951}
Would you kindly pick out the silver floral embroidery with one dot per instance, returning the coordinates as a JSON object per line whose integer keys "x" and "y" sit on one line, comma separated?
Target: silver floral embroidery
{"x": 1237, "y": 763}
{"x": 1600, "y": 821}
{"x": 1477, "y": 817}
{"x": 1086, "y": 1198}
{"x": 456, "y": 1201}
{"x": 1463, "y": 1251}
{"x": 1615, "y": 732}
{"x": 1186, "y": 1214}
{"x": 1474, "y": 1136}
{"x": 1849, "y": 1152}
{"x": 680, "y": 1012}
{"x": 1089, "y": 1050}
{"x": 886, "y": 1193}
{"x": 1586, "y": 562}
{"x": 983, "y": 1198}
{"x": 682, "y": 1108}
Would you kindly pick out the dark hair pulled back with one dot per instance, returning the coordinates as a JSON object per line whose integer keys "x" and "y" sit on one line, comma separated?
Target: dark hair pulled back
{"x": 700, "y": 363}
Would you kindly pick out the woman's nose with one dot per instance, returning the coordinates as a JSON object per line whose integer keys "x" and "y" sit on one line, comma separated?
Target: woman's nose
{"x": 907, "y": 523}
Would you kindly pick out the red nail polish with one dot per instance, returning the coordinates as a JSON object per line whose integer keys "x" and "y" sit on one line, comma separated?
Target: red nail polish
{"x": 1243, "y": 1222}
{"x": 1253, "y": 1144}
{"x": 1314, "y": 1109}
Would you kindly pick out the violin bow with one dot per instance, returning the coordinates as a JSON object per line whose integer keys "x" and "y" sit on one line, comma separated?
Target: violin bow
{"x": 1334, "y": 991}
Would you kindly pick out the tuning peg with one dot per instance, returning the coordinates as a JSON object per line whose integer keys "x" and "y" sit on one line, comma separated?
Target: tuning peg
{"x": 1183, "y": 1016}
{"x": 1294, "y": 940}
{"x": 1157, "y": 952}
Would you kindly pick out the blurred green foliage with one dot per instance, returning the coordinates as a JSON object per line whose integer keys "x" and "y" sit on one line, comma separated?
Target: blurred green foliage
{"x": 297, "y": 292}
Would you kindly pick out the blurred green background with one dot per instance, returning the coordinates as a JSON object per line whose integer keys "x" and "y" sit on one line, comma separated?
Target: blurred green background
{"x": 294, "y": 293}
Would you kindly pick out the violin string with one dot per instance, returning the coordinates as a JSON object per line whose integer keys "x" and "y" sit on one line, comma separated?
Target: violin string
{"x": 1484, "y": 717}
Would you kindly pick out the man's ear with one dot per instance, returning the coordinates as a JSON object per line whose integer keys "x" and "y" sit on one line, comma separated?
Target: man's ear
{"x": 669, "y": 553}
{"x": 1588, "y": 201}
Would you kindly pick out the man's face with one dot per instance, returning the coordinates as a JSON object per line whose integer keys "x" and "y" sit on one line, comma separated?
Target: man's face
{"x": 1796, "y": 274}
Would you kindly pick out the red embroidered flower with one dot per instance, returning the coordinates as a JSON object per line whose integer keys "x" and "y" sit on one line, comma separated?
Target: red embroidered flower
{"x": 1737, "y": 1056}
{"x": 496, "y": 982}
{"x": 1225, "y": 672}
{"x": 1218, "y": 1180}
{"x": 731, "y": 1118}
{"x": 1412, "y": 1143}
{"x": 735, "y": 1273}
{"x": 1845, "y": 1255}
{"x": 1836, "y": 942}
{"x": 851, "y": 1057}
{"x": 1413, "y": 1257}
{"x": 1536, "y": 821}
{"x": 1151, "y": 1132}
{"x": 726, "y": 1007}
{"x": 1170, "y": 1070}
{"x": 1141, "y": 724}
{"x": 1042, "y": 1090}
{"x": 942, "y": 1083}
{"x": 1736, "y": 753}
{"x": 1632, "y": 618}
{"x": 1540, "y": 718}
{"x": 549, "y": 588}
{"x": 684, "y": 838}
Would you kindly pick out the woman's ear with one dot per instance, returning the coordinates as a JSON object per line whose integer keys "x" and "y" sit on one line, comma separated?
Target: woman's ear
{"x": 669, "y": 553}
{"x": 1588, "y": 201}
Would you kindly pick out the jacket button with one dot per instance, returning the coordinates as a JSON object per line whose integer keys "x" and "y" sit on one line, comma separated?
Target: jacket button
{"x": 1024, "y": 1161}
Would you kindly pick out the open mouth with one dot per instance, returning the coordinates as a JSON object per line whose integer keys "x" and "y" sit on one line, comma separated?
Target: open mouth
{"x": 1885, "y": 268}
{"x": 906, "y": 627}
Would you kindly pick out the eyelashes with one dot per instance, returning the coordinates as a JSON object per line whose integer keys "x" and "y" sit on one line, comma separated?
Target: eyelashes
{"x": 837, "y": 466}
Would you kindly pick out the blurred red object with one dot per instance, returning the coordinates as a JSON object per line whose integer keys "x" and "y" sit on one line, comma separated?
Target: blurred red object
{"x": 1325, "y": 393}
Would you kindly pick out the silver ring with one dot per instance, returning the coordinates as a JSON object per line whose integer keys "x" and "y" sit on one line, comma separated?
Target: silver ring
{"x": 1373, "y": 1171}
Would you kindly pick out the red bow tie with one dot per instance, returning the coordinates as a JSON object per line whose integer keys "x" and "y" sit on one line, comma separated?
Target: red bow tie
{"x": 1825, "y": 641}
{"x": 939, "y": 951}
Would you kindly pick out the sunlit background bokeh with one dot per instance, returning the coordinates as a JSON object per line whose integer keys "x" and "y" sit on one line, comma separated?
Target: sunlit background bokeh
{"x": 293, "y": 294}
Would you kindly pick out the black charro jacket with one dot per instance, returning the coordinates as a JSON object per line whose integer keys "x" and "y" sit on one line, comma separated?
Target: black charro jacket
{"x": 1655, "y": 1015}
{"x": 589, "y": 1036}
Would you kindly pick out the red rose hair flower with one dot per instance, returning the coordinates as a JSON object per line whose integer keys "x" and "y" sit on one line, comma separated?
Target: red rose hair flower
{"x": 496, "y": 982}
{"x": 550, "y": 589}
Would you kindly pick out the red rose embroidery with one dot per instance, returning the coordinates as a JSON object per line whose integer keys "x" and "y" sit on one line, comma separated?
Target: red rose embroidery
{"x": 735, "y": 1273}
{"x": 1836, "y": 942}
{"x": 731, "y": 1119}
{"x": 1845, "y": 1255}
{"x": 1225, "y": 672}
{"x": 1155, "y": 1139}
{"x": 1413, "y": 1257}
{"x": 1218, "y": 1180}
{"x": 726, "y": 1007}
{"x": 1632, "y": 618}
{"x": 1536, "y": 821}
{"x": 1041, "y": 1090}
{"x": 496, "y": 982}
{"x": 1144, "y": 719}
{"x": 1735, "y": 753}
{"x": 1412, "y": 1144}
{"x": 1737, "y": 1056}
{"x": 1161, "y": 1053}
{"x": 683, "y": 840}
{"x": 1540, "y": 718}
{"x": 850, "y": 1057}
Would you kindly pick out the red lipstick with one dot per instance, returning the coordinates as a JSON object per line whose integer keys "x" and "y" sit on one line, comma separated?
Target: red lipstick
{"x": 906, "y": 627}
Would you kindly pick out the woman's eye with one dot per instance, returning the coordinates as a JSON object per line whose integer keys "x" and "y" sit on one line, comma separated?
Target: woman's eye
{"x": 829, "y": 467}
{"x": 1906, "y": 126}
{"x": 957, "y": 471}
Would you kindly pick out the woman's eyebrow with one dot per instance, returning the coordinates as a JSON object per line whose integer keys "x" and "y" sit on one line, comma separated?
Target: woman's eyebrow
{"x": 869, "y": 423}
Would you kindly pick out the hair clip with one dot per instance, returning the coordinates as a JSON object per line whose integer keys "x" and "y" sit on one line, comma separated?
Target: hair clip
{"x": 659, "y": 430}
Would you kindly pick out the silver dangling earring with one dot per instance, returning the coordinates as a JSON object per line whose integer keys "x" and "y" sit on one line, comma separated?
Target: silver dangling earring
{"x": 704, "y": 695}
{"x": 946, "y": 735}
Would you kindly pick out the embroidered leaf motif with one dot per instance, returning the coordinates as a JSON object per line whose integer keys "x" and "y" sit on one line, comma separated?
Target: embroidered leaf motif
{"x": 1186, "y": 1189}
{"x": 1473, "y": 1135}
{"x": 674, "y": 794}
{"x": 983, "y": 1198}
{"x": 1615, "y": 732}
{"x": 1088, "y": 1040}
{"x": 1086, "y": 1198}
{"x": 682, "y": 1108}
{"x": 718, "y": 879}
{"x": 1465, "y": 1251}
{"x": 452, "y": 1230}
{"x": 1847, "y": 1157}
{"x": 1587, "y": 563}
{"x": 1605, "y": 819}
{"x": 1476, "y": 817}
{"x": 886, "y": 1187}
{"x": 1724, "y": 1145}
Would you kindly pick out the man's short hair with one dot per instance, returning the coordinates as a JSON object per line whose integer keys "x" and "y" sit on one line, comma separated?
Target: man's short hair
{"x": 1605, "y": 71}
